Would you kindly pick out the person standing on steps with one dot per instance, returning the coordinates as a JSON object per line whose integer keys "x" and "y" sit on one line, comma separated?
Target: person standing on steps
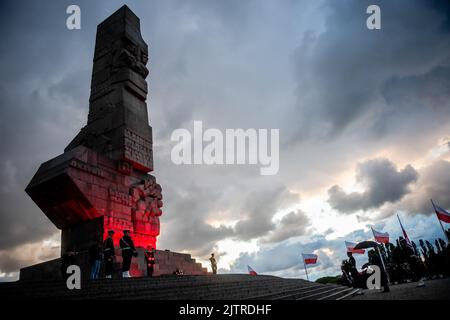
{"x": 150, "y": 260}
{"x": 95, "y": 258}
{"x": 68, "y": 259}
{"x": 109, "y": 254}
{"x": 213, "y": 263}
{"x": 128, "y": 251}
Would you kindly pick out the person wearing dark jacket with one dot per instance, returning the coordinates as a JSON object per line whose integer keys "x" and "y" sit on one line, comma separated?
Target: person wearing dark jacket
{"x": 109, "y": 254}
{"x": 95, "y": 259}
{"x": 128, "y": 251}
{"x": 374, "y": 259}
{"x": 352, "y": 267}
{"x": 150, "y": 261}
{"x": 67, "y": 259}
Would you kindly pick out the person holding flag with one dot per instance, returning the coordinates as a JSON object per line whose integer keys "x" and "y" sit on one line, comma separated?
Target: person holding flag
{"x": 411, "y": 258}
{"x": 308, "y": 258}
{"x": 351, "y": 262}
{"x": 382, "y": 238}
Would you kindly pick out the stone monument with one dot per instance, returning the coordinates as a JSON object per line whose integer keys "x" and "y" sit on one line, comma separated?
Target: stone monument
{"x": 102, "y": 179}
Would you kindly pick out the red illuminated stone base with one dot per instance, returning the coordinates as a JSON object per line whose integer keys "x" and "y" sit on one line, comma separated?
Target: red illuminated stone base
{"x": 85, "y": 194}
{"x": 166, "y": 263}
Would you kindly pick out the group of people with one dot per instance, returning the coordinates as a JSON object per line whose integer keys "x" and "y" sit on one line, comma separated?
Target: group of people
{"x": 403, "y": 262}
{"x": 103, "y": 252}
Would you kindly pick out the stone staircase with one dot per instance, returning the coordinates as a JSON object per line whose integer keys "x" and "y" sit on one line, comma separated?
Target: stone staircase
{"x": 211, "y": 287}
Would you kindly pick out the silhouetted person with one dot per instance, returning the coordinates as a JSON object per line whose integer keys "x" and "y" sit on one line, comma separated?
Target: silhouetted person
{"x": 178, "y": 272}
{"x": 95, "y": 259}
{"x": 352, "y": 268}
{"x": 374, "y": 259}
{"x": 109, "y": 254}
{"x": 150, "y": 261}
{"x": 67, "y": 259}
{"x": 128, "y": 251}
{"x": 213, "y": 263}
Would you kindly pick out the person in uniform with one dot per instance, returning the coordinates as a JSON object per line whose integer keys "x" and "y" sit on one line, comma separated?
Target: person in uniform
{"x": 128, "y": 251}
{"x": 150, "y": 261}
{"x": 352, "y": 268}
{"x": 109, "y": 254}
{"x": 213, "y": 263}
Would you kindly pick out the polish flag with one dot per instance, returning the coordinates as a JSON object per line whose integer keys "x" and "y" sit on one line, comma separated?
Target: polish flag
{"x": 350, "y": 248}
{"x": 381, "y": 237}
{"x": 405, "y": 235}
{"x": 251, "y": 271}
{"x": 442, "y": 214}
{"x": 309, "y": 258}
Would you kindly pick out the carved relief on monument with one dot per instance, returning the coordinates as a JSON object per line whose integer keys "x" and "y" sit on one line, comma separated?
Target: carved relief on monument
{"x": 138, "y": 151}
{"x": 127, "y": 54}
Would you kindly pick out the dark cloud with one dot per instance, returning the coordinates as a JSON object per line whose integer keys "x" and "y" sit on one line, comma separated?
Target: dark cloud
{"x": 382, "y": 182}
{"x": 433, "y": 183}
{"x": 293, "y": 224}
{"x": 345, "y": 72}
{"x": 23, "y": 255}
{"x": 42, "y": 94}
{"x": 186, "y": 226}
{"x": 259, "y": 209}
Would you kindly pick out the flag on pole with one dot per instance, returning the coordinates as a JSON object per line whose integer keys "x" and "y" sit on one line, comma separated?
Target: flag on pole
{"x": 351, "y": 248}
{"x": 251, "y": 271}
{"x": 442, "y": 214}
{"x": 405, "y": 235}
{"x": 381, "y": 237}
{"x": 309, "y": 258}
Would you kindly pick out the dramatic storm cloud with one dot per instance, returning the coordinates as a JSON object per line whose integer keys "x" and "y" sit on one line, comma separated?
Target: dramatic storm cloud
{"x": 382, "y": 181}
{"x": 291, "y": 225}
{"x": 343, "y": 97}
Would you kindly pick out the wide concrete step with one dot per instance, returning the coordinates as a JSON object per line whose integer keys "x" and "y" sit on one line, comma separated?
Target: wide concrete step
{"x": 211, "y": 287}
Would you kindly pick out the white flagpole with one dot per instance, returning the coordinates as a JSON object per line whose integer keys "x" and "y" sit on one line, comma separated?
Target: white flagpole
{"x": 440, "y": 222}
{"x": 381, "y": 257}
{"x": 384, "y": 267}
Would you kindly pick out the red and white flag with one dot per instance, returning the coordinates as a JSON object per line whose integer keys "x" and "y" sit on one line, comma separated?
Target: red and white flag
{"x": 405, "y": 235}
{"x": 351, "y": 248}
{"x": 442, "y": 214}
{"x": 251, "y": 271}
{"x": 381, "y": 237}
{"x": 309, "y": 258}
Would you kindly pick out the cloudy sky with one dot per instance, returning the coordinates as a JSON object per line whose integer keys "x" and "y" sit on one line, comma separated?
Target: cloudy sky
{"x": 363, "y": 118}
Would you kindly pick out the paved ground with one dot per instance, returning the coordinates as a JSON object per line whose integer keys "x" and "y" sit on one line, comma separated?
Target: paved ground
{"x": 433, "y": 290}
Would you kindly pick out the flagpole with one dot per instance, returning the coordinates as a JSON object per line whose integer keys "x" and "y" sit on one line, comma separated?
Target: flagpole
{"x": 384, "y": 267}
{"x": 440, "y": 222}
{"x": 306, "y": 269}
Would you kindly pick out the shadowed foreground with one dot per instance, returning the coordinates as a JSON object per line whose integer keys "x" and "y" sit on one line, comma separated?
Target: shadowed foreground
{"x": 433, "y": 290}
{"x": 231, "y": 286}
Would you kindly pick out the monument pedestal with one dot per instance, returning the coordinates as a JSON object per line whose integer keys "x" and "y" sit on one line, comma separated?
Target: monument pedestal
{"x": 166, "y": 263}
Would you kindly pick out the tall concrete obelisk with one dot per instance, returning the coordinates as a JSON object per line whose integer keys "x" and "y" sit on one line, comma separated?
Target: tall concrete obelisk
{"x": 101, "y": 180}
